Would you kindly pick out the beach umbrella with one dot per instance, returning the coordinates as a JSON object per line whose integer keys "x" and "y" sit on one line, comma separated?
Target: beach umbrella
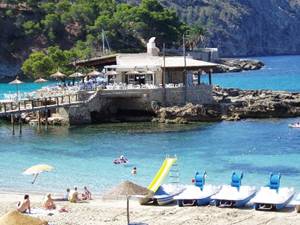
{"x": 17, "y": 82}
{"x": 17, "y": 218}
{"x": 77, "y": 75}
{"x": 128, "y": 189}
{"x": 37, "y": 169}
{"x": 94, "y": 73}
{"x": 40, "y": 80}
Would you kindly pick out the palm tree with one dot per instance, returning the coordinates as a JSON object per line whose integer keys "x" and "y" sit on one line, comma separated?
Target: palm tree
{"x": 196, "y": 35}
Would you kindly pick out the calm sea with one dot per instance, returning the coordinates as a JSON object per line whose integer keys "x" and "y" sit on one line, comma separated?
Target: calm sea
{"x": 84, "y": 155}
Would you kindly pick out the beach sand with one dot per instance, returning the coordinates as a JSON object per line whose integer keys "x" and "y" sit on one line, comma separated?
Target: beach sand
{"x": 98, "y": 212}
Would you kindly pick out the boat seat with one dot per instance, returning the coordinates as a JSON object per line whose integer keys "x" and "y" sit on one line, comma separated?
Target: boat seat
{"x": 200, "y": 180}
{"x": 274, "y": 181}
{"x": 236, "y": 180}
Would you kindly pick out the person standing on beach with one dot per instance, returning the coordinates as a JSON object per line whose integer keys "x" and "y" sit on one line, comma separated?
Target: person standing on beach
{"x": 24, "y": 205}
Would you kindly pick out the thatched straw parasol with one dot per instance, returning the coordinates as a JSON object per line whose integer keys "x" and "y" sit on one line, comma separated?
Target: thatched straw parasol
{"x": 94, "y": 73}
{"x": 133, "y": 72}
{"x": 58, "y": 75}
{"x": 127, "y": 189}
{"x": 16, "y": 218}
{"x": 40, "y": 80}
{"x": 77, "y": 75}
{"x": 111, "y": 73}
{"x": 17, "y": 82}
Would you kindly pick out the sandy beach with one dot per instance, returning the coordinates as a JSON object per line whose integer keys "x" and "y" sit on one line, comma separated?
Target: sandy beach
{"x": 98, "y": 212}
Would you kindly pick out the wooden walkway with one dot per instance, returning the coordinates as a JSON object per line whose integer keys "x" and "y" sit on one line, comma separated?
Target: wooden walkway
{"x": 8, "y": 108}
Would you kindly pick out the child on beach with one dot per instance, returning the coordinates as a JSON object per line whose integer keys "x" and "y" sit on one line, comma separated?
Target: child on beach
{"x": 24, "y": 205}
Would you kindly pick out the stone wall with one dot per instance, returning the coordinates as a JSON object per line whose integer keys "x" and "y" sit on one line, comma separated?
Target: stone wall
{"x": 106, "y": 103}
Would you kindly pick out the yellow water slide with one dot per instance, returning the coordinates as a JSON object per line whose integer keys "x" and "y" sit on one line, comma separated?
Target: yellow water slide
{"x": 161, "y": 174}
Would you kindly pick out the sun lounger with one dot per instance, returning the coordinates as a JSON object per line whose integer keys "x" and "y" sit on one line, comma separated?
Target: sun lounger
{"x": 234, "y": 195}
{"x": 273, "y": 197}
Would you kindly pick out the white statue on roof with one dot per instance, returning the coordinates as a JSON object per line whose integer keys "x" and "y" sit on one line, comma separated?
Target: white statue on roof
{"x": 151, "y": 47}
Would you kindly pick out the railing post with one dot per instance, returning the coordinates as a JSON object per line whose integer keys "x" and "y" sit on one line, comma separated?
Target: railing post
{"x": 69, "y": 99}
{"x": 4, "y": 107}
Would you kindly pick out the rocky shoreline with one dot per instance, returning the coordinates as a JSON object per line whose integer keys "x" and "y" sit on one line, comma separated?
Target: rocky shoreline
{"x": 237, "y": 65}
{"x": 234, "y": 104}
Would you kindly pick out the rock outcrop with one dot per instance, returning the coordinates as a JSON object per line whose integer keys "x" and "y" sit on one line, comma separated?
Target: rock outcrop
{"x": 237, "y": 65}
{"x": 235, "y": 104}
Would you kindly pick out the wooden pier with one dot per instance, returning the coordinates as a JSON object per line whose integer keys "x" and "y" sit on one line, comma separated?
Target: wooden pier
{"x": 14, "y": 109}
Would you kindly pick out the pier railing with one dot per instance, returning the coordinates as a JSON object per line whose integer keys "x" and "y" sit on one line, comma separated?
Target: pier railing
{"x": 31, "y": 105}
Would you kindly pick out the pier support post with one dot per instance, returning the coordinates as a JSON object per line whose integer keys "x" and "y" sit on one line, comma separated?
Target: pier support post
{"x": 13, "y": 123}
{"x": 39, "y": 118}
{"x": 46, "y": 119}
{"x": 20, "y": 125}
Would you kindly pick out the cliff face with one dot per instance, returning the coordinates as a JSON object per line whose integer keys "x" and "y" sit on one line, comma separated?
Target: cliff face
{"x": 245, "y": 27}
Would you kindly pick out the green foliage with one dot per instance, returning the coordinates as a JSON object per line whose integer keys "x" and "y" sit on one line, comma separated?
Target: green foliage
{"x": 75, "y": 27}
{"x": 44, "y": 63}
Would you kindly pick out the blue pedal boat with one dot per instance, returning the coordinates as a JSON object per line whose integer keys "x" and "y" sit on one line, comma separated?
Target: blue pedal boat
{"x": 235, "y": 194}
{"x": 198, "y": 194}
{"x": 272, "y": 196}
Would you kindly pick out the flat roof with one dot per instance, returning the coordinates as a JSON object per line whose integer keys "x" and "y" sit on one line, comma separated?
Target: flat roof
{"x": 144, "y": 60}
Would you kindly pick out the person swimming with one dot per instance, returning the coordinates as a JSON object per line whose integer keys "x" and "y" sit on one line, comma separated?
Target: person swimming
{"x": 134, "y": 171}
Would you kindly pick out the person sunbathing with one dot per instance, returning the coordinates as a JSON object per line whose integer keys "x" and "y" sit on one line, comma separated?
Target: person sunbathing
{"x": 87, "y": 195}
{"x": 24, "y": 205}
{"x": 49, "y": 203}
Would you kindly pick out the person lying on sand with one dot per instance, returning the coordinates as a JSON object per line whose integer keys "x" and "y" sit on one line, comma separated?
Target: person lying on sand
{"x": 73, "y": 196}
{"x": 24, "y": 205}
{"x": 87, "y": 195}
{"x": 64, "y": 198}
{"x": 49, "y": 203}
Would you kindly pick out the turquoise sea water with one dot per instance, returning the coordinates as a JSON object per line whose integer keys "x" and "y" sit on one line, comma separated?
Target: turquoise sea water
{"x": 83, "y": 155}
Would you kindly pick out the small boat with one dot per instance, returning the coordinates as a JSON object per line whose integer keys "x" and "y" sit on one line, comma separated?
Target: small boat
{"x": 121, "y": 160}
{"x": 198, "y": 194}
{"x": 234, "y": 195}
{"x": 294, "y": 125}
{"x": 166, "y": 193}
{"x": 273, "y": 197}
